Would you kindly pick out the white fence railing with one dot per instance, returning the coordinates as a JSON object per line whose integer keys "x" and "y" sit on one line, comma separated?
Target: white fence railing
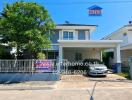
{"x": 28, "y": 65}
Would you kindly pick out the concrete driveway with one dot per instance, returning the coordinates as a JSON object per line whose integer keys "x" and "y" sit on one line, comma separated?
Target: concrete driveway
{"x": 80, "y": 81}
{"x": 83, "y": 78}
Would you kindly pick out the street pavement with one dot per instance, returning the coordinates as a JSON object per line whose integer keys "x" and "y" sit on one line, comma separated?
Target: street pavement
{"x": 70, "y": 87}
{"x": 76, "y": 94}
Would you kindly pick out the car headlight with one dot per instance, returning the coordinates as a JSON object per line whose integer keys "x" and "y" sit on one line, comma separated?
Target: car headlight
{"x": 105, "y": 69}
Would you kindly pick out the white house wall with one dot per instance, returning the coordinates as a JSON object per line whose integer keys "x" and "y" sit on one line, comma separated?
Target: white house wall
{"x": 129, "y": 36}
{"x": 118, "y": 35}
{"x": 69, "y": 53}
{"x": 125, "y": 54}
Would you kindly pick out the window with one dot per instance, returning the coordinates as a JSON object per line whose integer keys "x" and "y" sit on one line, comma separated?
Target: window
{"x": 125, "y": 34}
{"x": 81, "y": 35}
{"x": 55, "y": 37}
{"x": 78, "y": 56}
{"x": 67, "y": 35}
{"x": 70, "y": 35}
{"x": 52, "y": 55}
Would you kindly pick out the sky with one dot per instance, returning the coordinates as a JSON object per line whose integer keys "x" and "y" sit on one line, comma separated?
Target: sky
{"x": 114, "y": 15}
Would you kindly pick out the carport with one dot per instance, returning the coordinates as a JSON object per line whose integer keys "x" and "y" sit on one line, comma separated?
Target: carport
{"x": 93, "y": 46}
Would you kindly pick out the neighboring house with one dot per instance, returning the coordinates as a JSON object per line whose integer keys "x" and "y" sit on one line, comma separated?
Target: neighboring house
{"x": 72, "y": 42}
{"x": 124, "y": 34}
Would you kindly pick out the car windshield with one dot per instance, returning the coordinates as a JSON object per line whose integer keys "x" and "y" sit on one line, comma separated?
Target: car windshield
{"x": 92, "y": 61}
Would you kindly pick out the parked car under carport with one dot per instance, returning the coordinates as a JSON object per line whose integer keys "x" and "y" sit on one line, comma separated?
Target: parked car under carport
{"x": 95, "y": 67}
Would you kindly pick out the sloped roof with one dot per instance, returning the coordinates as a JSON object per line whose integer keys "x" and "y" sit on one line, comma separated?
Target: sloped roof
{"x": 115, "y": 32}
{"x": 94, "y": 7}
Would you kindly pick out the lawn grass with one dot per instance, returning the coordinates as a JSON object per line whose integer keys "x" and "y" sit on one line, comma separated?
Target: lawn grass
{"x": 124, "y": 74}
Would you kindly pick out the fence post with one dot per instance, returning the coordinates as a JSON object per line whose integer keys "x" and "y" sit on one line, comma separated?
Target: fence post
{"x": 0, "y": 66}
{"x": 32, "y": 65}
{"x": 130, "y": 71}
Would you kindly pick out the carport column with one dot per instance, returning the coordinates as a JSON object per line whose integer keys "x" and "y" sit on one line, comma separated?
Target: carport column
{"x": 117, "y": 58}
{"x": 101, "y": 55}
{"x": 87, "y": 34}
{"x": 60, "y": 59}
{"x": 76, "y": 35}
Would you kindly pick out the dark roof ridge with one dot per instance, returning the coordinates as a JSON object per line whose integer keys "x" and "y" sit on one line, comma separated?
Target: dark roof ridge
{"x": 70, "y": 24}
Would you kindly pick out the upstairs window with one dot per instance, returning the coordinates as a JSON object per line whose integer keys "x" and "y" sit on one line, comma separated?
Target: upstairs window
{"x": 67, "y": 35}
{"x": 81, "y": 35}
{"x": 55, "y": 37}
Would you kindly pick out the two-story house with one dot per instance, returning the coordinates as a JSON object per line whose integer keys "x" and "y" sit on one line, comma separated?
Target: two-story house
{"x": 72, "y": 42}
{"x": 124, "y": 34}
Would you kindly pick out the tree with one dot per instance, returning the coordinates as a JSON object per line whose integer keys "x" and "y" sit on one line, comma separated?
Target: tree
{"x": 25, "y": 25}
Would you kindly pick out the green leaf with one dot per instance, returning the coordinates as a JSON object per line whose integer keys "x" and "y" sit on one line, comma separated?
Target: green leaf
{"x": 25, "y": 25}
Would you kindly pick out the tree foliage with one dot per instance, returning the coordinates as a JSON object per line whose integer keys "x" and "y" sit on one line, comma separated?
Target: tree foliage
{"x": 25, "y": 25}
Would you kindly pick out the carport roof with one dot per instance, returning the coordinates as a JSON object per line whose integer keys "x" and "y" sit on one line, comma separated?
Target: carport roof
{"x": 90, "y": 43}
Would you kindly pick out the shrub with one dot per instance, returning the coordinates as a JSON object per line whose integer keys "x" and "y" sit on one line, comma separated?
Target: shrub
{"x": 41, "y": 55}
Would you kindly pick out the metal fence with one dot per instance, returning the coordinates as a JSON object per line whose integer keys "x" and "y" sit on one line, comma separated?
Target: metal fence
{"x": 25, "y": 66}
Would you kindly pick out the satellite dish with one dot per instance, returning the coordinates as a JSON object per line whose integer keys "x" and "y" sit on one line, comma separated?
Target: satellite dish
{"x": 67, "y": 22}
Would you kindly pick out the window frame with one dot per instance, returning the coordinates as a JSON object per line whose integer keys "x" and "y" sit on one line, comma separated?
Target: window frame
{"x": 54, "y": 37}
{"x": 69, "y": 31}
{"x": 83, "y": 34}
